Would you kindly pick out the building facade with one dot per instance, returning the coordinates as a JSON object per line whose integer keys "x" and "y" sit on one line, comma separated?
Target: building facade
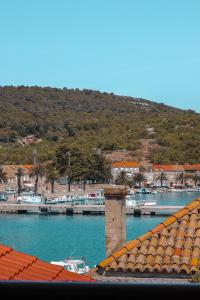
{"x": 129, "y": 167}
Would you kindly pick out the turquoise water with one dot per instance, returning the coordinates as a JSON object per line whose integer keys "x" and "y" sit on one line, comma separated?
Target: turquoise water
{"x": 168, "y": 198}
{"x": 55, "y": 237}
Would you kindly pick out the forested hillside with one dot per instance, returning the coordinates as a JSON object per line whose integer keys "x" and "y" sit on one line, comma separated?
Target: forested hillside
{"x": 92, "y": 120}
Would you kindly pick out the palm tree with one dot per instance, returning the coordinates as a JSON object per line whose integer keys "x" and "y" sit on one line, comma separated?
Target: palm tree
{"x": 52, "y": 175}
{"x": 139, "y": 178}
{"x": 3, "y": 176}
{"x": 19, "y": 174}
{"x": 182, "y": 177}
{"x": 196, "y": 178}
{"x": 161, "y": 177}
{"x": 122, "y": 179}
{"x": 37, "y": 171}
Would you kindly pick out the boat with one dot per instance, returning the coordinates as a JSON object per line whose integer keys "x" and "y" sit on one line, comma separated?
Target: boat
{"x": 94, "y": 199}
{"x": 133, "y": 202}
{"x": 87, "y": 199}
{"x": 10, "y": 191}
{"x": 75, "y": 265}
{"x": 30, "y": 199}
{"x": 143, "y": 191}
{"x": 3, "y": 196}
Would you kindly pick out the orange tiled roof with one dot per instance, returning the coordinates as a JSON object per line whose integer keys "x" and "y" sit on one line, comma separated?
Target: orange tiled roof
{"x": 19, "y": 266}
{"x": 175, "y": 168}
{"x": 168, "y": 168}
{"x": 195, "y": 167}
{"x": 172, "y": 247}
{"x": 11, "y": 169}
{"x": 125, "y": 164}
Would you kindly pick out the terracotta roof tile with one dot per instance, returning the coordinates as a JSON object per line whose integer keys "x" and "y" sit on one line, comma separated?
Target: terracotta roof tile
{"x": 20, "y": 266}
{"x": 172, "y": 246}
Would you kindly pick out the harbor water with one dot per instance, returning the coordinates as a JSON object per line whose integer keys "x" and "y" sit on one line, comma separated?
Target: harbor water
{"x": 56, "y": 237}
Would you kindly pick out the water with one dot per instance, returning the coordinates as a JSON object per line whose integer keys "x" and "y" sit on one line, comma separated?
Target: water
{"x": 55, "y": 237}
{"x": 174, "y": 199}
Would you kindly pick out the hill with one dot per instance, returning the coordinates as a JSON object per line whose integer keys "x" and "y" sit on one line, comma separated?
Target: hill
{"x": 43, "y": 118}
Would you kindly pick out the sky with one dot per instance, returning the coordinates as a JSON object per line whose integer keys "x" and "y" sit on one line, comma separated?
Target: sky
{"x": 141, "y": 48}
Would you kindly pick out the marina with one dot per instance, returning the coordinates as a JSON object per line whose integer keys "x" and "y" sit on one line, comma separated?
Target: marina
{"x": 154, "y": 204}
{"x": 77, "y": 230}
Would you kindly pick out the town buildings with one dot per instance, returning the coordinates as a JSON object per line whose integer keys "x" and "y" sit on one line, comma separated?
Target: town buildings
{"x": 11, "y": 170}
{"x": 172, "y": 172}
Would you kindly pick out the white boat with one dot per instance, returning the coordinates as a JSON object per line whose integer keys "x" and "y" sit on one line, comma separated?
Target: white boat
{"x": 29, "y": 199}
{"x": 94, "y": 199}
{"x": 136, "y": 203}
{"x": 75, "y": 265}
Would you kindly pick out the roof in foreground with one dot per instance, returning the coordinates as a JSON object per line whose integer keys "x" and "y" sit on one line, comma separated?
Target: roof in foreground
{"x": 172, "y": 248}
{"x": 19, "y": 266}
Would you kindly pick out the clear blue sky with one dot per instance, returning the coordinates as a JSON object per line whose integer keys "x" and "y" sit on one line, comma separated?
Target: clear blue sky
{"x": 142, "y": 48}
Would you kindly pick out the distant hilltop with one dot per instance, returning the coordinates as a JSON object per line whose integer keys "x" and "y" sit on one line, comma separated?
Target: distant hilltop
{"x": 91, "y": 120}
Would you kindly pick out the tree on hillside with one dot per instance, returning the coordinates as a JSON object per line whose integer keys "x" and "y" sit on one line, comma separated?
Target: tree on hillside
{"x": 52, "y": 175}
{"x": 3, "y": 176}
{"x": 162, "y": 177}
{"x": 138, "y": 178}
{"x": 37, "y": 171}
{"x": 19, "y": 174}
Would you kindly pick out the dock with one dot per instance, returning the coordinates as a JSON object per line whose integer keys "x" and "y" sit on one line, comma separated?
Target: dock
{"x": 46, "y": 209}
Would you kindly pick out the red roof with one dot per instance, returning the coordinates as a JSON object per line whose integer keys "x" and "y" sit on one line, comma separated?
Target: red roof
{"x": 172, "y": 247}
{"x": 176, "y": 168}
{"x": 19, "y": 266}
{"x": 125, "y": 164}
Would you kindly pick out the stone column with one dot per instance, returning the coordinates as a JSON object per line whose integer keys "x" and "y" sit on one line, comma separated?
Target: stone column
{"x": 115, "y": 213}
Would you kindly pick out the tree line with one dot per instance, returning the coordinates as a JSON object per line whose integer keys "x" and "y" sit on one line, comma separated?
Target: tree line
{"x": 68, "y": 162}
{"x": 140, "y": 178}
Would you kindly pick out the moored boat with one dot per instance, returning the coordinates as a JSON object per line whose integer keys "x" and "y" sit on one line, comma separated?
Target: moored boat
{"x": 136, "y": 203}
{"x": 75, "y": 265}
{"x": 30, "y": 199}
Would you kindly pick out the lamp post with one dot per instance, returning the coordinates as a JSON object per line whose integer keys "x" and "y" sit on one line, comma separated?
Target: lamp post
{"x": 69, "y": 163}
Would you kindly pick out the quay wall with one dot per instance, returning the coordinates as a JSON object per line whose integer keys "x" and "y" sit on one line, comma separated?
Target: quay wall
{"x": 83, "y": 209}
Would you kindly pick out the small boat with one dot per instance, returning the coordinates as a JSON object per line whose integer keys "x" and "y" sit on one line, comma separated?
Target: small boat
{"x": 143, "y": 191}
{"x": 3, "y": 196}
{"x": 75, "y": 265}
{"x": 29, "y": 199}
{"x": 133, "y": 202}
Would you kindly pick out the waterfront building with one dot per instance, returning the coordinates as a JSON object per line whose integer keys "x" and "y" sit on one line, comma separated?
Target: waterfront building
{"x": 129, "y": 167}
{"x": 171, "y": 250}
{"x": 19, "y": 266}
{"x": 172, "y": 171}
{"x": 11, "y": 171}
